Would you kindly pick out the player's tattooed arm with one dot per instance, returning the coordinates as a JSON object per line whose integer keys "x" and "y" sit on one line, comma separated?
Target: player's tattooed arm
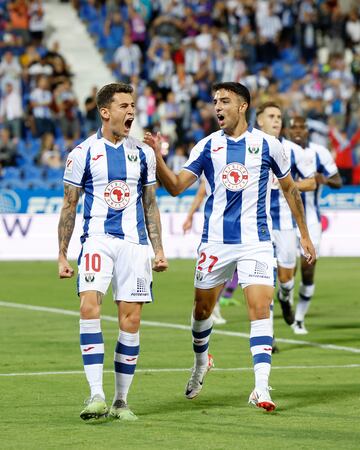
{"x": 67, "y": 217}
{"x": 153, "y": 226}
{"x": 152, "y": 218}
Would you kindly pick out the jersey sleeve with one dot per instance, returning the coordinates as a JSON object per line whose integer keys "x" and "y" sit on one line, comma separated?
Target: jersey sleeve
{"x": 195, "y": 162}
{"x": 305, "y": 164}
{"x": 149, "y": 175}
{"x": 280, "y": 159}
{"x": 326, "y": 164}
{"x": 75, "y": 167}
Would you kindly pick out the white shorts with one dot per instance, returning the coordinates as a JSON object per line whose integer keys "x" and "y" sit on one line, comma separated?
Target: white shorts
{"x": 216, "y": 263}
{"x": 105, "y": 259}
{"x": 286, "y": 247}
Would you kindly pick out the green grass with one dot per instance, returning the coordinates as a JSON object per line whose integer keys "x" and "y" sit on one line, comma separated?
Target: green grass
{"x": 317, "y": 407}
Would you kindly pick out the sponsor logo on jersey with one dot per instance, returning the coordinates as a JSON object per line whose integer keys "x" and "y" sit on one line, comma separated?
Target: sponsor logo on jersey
{"x": 95, "y": 158}
{"x": 217, "y": 149}
{"x": 117, "y": 194}
{"x": 260, "y": 270}
{"x": 89, "y": 277}
{"x": 69, "y": 165}
{"x": 235, "y": 177}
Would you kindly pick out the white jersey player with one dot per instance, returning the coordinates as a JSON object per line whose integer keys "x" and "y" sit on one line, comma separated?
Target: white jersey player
{"x": 269, "y": 118}
{"x": 117, "y": 175}
{"x": 325, "y": 173}
{"x": 237, "y": 162}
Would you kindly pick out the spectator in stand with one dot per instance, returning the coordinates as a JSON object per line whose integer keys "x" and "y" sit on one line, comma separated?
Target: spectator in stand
{"x": 127, "y": 59}
{"x": 41, "y": 100}
{"x": 184, "y": 88}
{"x": 19, "y": 18}
{"x": 352, "y": 30}
{"x": 161, "y": 64}
{"x": 36, "y": 21}
{"x": 146, "y": 107}
{"x": 137, "y": 26}
{"x": 67, "y": 108}
{"x": 7, "y": 149}
{"x": 10, "y": 71}
{"x": 176, "y": 161}
{"x": 49, "y": 155}
{"x": 92, "y": 116}
{"x": 169, "y": 114}
{"x": 11, "y": 111}
{"x": 268, "y": 28}
{"x": 39, "y": 68}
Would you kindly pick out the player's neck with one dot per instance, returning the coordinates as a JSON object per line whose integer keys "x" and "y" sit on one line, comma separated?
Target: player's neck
{"x": 111, "y": 137}
{"x": 240, "y": 129}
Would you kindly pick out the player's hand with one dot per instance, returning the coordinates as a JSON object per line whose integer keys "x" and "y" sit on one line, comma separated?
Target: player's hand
{"x": 65, "y": 270}
{"x": 187, "y": 224}
{"x": 153, "y": 141}
{"x": 309, "y": 250}
{"x": 320, "y": 178}
{"x": 160, "y": 263}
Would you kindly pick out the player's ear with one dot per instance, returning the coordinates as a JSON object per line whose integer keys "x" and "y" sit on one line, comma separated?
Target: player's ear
{"x": 104, "y": 113}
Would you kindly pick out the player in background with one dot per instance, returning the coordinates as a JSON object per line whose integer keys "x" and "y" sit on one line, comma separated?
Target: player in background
{"x": 326, "y": 173}
{"x": 269, "y": 119}
{"x": 117, "y": 175}
{"x": 237, "y": 162}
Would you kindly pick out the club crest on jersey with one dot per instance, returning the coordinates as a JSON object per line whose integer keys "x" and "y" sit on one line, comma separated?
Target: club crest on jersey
{"x": 253, "y": 149}
{"x": 89, "y": 277}
{"x": 199, "y": 275}
{"x": 117, "y": 194}
{"x": 132, "y": 157}
{"x": 235, "y": 177}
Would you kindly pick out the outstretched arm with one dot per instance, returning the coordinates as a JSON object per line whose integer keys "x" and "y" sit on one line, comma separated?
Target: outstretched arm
{"x": 334, "y": 181}
{"x": 295, "y": 203}
{"x": 199, "y": 197}
{"x": 153, "y": 225}
{"x": 174, "y": 184}
{"x": 66, "y": 228}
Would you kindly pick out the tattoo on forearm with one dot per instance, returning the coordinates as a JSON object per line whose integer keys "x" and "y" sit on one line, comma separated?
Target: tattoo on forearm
{"x": 299, "y": 212}
{"x": 152, "y": 218}
{"x": 67, "y": 217}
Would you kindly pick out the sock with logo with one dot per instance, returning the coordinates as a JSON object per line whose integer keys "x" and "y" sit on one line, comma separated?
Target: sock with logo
{"x": 201, "y": 330}
{"x": 305, "y": 294}
{"x": 125, "y": 359}
{"x": 92, "y": 350}
{"x": 261, "y": 337}
{"x": 285, "y": 290}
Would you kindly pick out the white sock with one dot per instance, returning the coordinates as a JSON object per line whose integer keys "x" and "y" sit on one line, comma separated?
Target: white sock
{"x": 125, "y": 359}
{"x": 92, "y": 350}
{"x": 261, "y": 336}
{"x": 305, "y": 294}
{"x": 201, "y": 330}
{"x": 285, "y": 290}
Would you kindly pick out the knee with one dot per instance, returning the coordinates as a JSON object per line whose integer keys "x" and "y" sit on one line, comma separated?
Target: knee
{"x": 89, "y": 311}
{"x": 202, "y": 311}
{"x": 130, "y": 322}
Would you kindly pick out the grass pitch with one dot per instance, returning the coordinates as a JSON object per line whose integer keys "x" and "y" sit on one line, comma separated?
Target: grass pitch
{"x": 316, "y": 378}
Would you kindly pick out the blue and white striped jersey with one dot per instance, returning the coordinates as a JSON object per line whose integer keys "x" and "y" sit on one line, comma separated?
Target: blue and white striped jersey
{"x": 324, "y": 163}
{"x": 302, "y": 166}
{"x": 112, "y": 178}
{"x": 238, "y": 176}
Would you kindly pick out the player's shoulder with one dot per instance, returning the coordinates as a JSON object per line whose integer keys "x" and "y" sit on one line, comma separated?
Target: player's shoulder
{"x": 210, "y": 139}
{"x": 81, "y": 149}
{"x": 272, "y": 141}
{"x": 318, "y": 148}
{"x": 134, "y": 144}
{"x": 291, "y": 145}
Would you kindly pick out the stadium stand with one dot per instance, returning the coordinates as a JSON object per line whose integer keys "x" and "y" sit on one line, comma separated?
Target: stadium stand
{"x": 303, "y": 54}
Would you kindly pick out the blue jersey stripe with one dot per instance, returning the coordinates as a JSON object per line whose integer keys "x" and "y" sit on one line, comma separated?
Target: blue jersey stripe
{"x": 232, "y": 213}
{"x": 275, "y": 208}
{"x": 87, "y": 182}
{"x": 116, "y": 171}
{"x": 140, "y": 220}
{"x": 209, "y": 205}
{"x": 261, "y": 216}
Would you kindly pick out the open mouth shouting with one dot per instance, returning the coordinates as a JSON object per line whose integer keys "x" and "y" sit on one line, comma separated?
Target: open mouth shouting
{"x": 221, "y": 120}
{"x": 128, "y": 123}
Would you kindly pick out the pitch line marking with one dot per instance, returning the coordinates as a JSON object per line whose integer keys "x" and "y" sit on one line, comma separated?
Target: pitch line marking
{"x": 215, "y": 369}
{"x": 179, "y": 327}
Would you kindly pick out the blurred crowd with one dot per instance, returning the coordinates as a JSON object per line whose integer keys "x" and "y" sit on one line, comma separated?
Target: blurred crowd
{"x": 305, "y": 55}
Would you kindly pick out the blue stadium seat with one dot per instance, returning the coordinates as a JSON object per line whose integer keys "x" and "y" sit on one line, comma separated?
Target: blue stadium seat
{"x": 12, "y": 173}
{"x": 33, "y": 172}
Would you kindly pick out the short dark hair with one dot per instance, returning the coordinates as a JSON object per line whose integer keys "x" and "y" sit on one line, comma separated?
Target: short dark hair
{"x": 265, "y": 105}
{"x": 238, "y": 88}
{"x": 105, "y": 95}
